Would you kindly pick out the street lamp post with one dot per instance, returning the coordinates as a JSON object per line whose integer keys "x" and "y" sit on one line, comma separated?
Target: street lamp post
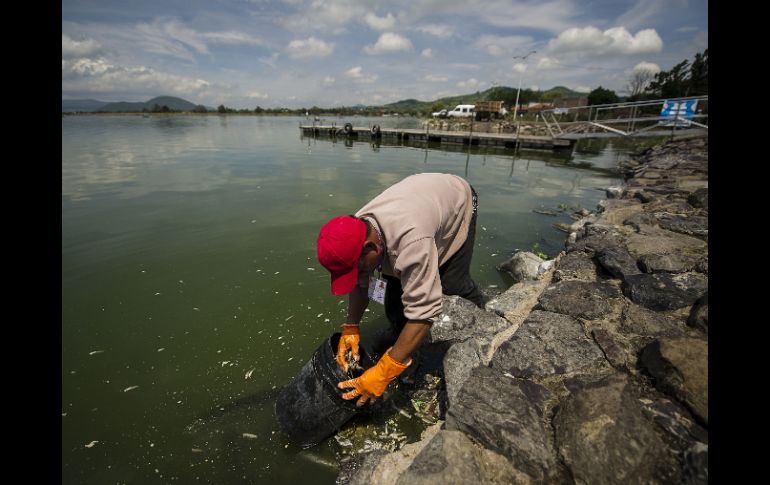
{"x": 518, "y": 91}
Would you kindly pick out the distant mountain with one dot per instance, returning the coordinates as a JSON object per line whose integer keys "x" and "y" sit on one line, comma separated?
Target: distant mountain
{"x": 69, "y": 105}
{"x": 496, "y": 93}
{"x": 175, "y": 104}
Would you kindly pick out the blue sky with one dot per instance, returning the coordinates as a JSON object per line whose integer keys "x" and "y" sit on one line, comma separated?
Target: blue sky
{"x": 300, "y": 53}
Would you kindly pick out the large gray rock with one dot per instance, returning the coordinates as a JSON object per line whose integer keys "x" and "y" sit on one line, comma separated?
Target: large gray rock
{"x": 637, "y": 320}
{"x": 618, "y": 262}
{"x": 699, "y": 314}
{"x": 545, "y": 344}
{"x": 459, "y": 360}
{"x": 596, "y": 237}
{"x": 668, "y": 263}
{"x": 654, "y": 240}
{"x": 462, "y": 319}
{"x": 451, "y": 457}
{"x": 580, "y": 299}
{"x": 679, "y": 366}
{"x": 576, "y": 265}
{"x": 685, "y": 224}
{"x": 522, "y": 266}
{"x": 663, "y": 291}
{"x": 506, "y": 416}
{"x": 604, "y": 438}
{"x": 699, "y": 198}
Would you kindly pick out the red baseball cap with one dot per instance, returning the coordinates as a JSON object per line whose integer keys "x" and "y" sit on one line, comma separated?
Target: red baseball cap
{"x": 339, "y": 248}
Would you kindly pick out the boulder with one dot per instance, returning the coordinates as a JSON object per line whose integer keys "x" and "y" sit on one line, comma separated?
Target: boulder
{"x": 604, "y": 438}
{"x": 580, "y": 299}
{"x": 679, "y": 366}
{"x": 522, "y": 266}
{"x": 576, "y": 265}
{"x": 699, "y": 314}
{"x": 546, "y": 344}
{"x": 451, "y": 457}
{"x": 462, "y": 319}
{"x": 663, "y": 291}
{"x": 699, "y": 198}
{"x": 668, "y": 263}
{"x": 637, "y": 320}
{"x": 506, "y": 415}
{"x": 617, "y": 261}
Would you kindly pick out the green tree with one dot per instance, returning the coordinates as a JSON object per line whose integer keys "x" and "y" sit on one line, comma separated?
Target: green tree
{"x": 602, "y": 96}
{"x": 258, "y": 110}
{"x": 200, "y": 109}
{"x": 221, "y": 109}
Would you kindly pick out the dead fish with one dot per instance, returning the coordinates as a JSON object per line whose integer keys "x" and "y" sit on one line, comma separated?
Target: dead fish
{"x": 248, "y": 374}
{"x": 319, "y": 460}
{"x": 130, "y": 388}
{"x": 96, "y": 352}
{"x": 249, "y": 435}
{"x": 91, "y": 444}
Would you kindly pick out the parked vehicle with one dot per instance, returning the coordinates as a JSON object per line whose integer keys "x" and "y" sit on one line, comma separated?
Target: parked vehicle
{"x": 440, "y": 114}
{"x": 487, "y": 110}
{"x": 462, "y": 111}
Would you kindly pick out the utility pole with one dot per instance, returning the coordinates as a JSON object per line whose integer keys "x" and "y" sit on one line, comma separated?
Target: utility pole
{"x": 518, "y": 91}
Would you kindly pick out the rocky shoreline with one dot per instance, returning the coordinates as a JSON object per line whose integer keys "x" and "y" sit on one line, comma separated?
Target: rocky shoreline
{"x": 593, "y": 366}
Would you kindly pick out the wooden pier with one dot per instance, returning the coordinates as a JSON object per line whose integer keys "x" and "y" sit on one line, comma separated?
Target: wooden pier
{"x": 502, "y": 140}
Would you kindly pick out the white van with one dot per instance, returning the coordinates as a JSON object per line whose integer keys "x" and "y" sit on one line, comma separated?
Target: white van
{"x": 462, "y": 111}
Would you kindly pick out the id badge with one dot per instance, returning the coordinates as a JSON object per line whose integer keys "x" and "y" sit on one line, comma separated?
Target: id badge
{"x": 377, "y": 288}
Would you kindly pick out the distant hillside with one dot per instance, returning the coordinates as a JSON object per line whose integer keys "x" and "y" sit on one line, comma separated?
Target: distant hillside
{"x": 496, "y": 93}
{"x": 175, "y": 104}
{"x": 85, "y": 105}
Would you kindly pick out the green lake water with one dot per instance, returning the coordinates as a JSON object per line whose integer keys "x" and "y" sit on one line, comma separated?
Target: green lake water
{"x": 191, "y": 292}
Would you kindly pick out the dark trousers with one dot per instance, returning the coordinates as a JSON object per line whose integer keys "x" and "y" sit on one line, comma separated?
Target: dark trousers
{"x": 454, "y": 274}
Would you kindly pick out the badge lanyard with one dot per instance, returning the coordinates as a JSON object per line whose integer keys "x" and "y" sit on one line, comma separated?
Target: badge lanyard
{"x": 377, "y": 286}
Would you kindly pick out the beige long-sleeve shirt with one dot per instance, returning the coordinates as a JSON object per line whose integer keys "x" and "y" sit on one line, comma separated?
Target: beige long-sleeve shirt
{"x": 424, "y": 220}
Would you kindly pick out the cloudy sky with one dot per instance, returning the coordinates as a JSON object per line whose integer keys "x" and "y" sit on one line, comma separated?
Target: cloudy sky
{"x": 300, "y": 53}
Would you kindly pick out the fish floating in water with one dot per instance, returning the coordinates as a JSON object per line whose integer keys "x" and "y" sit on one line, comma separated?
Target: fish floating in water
{"x": 248, "y": 374}
{"x": 91, "y": 444}
{"x": 130, "y": 388}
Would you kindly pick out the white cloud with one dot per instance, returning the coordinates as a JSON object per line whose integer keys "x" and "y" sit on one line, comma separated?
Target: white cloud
{"x": 647, "y": 66}
{"x": 435, "y": 79}
{"x": 328, "y": 81}
{"x": 548, "y": 63}
{"x": 233, "y": 38}
{"x": 310, "y": 47}
{"x": 644, "y": 12}
{"x": 582, "y": 89}
{"x": 519, "y": 67}
{"x": 439, "y": 30}
{"x": 78, "y": 48}
{"x": 164, "y": 36}
{"x": 256, "y": 95}
{"x": 270, "y": 61}
{"x": 380, "y": 23}
{"x": 357, "y": 75}
{"x": 102, "y": 76}
{"x": 389, "y": 42}
{"x": 553, "y": 16}
{"x": 471, "y": 83}
{"x": 617, "y": 40}
{"x": 502, "y": 46}
{"x": 427, "y": 53}
{"x": 322, "y": 15}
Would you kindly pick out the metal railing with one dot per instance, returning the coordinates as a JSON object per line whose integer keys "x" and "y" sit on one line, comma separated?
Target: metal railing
{"x": 631, "y": 114}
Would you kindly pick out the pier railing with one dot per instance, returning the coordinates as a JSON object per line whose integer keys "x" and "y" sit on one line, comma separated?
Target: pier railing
{"x": 640, "y": 118}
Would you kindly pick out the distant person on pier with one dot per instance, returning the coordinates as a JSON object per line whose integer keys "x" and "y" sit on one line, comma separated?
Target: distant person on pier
{"x": 418, "y": 235}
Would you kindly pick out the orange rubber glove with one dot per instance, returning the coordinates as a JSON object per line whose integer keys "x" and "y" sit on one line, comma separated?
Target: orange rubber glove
{"x": 349, "y": 340}
{"x": 373, "y": 382}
